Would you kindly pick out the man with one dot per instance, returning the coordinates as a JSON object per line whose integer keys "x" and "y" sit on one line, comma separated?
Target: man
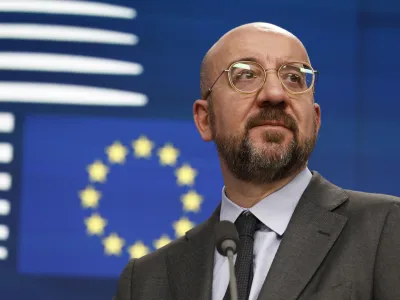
{"x": 309, "y": 239}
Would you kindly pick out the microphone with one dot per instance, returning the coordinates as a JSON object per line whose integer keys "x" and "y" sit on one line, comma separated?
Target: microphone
{"x": 226, "y": 240}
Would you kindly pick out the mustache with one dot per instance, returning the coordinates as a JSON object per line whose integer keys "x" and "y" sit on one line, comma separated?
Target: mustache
{"x": 272, "y": 114}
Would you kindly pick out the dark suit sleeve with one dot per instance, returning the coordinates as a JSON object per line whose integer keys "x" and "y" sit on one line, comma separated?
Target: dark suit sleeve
{"x": 387, "y": 264}
{"x": 124, "y": 291}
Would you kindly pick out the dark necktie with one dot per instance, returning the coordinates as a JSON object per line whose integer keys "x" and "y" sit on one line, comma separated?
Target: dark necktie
{"x": 246, "y": 225}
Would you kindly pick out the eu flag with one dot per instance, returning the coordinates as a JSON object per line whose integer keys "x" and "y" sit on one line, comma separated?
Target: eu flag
{"x": 97, "y": 191}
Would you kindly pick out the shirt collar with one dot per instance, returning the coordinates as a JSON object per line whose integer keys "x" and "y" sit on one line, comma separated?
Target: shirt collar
{"x": 275, "y": 210}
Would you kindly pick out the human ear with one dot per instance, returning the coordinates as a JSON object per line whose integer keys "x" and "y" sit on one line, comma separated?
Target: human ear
{"x": 201, "y": 115}
{"x": 317, "y": 110}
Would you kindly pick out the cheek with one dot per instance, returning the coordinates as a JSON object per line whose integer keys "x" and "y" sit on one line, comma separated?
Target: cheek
{"x": 306, "y": 120}
{"x": 230, "y": 116}
{"x": 226, "y": 123}
{"x": 308, "y": 126}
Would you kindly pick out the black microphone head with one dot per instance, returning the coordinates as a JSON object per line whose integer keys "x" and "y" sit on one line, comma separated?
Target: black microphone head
{"x": 226, "y": 237}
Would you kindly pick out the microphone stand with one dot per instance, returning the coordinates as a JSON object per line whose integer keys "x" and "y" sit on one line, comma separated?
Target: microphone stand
{"x": 232, "y": 277}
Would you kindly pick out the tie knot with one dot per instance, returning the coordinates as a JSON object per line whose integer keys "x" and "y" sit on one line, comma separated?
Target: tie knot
{"x": 247, "y": 224}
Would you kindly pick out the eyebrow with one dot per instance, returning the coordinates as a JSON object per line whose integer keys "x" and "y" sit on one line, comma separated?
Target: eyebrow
{"x": 249, "y": 58}
{"x": 279, "y": 60}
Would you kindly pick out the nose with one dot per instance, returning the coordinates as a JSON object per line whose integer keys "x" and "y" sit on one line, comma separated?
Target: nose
{"x": 272, "y": 92}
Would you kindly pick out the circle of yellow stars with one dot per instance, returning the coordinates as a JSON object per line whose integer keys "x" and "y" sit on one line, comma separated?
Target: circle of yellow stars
{"x": 117, "y": 153}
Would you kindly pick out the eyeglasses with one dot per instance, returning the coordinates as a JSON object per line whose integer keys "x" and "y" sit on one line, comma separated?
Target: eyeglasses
{"x": 249, "y": 77}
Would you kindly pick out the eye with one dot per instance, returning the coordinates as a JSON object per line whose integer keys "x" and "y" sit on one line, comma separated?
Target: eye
{"x": 294, "y": 78}
{"x": 245, "y": 75}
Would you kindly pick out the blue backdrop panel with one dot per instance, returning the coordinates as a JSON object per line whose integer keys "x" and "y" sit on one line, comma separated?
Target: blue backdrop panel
{"x": 382, "y": 7}
{"x": 379, "y": 122}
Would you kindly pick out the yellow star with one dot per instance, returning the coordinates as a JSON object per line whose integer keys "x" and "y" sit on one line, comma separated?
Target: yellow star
{"x": 90, "y": 197}
{"x": 97, "y": 171}
{"x": 191, "y": 201}
{"x": 168, "y": 155}
{"x": 113, "y": 244}
{"x": 138, "y": 250}
{"x": 117, "y": 153}
{"x": 142, "y": 147}
{"x": 185, "y": 175}
{"x": 162, "y": 241}
{"x": 182, "y": 226}
{"x": 95, "y": 224}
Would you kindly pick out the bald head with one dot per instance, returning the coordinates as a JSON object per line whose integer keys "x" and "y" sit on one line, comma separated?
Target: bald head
{"x": 246, "y": 39}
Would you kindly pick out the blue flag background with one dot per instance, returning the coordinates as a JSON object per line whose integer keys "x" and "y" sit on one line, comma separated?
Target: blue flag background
{"x": 140, "y": 199}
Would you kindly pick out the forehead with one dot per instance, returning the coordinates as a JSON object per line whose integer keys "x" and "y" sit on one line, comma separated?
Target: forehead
{"x": 269, "y": 48}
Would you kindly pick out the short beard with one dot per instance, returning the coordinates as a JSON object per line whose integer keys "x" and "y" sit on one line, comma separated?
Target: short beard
{"x": 248, "y": 164}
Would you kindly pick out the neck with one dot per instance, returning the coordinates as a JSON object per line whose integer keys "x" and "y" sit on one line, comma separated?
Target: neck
{"x": 247, "y": 194}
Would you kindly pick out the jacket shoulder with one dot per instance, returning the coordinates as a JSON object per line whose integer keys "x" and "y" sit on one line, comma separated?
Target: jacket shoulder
{"x": 373, "y": 200}
{"x": 157, "y": 258}
{"x": 139, "y": 273}
{"x": 370, "y": 207}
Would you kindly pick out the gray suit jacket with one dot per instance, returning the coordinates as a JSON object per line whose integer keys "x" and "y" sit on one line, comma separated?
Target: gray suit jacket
{"x": 339, "y": 244}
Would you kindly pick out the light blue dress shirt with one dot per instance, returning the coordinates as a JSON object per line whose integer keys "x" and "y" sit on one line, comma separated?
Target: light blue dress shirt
{"x": 274, "y": 212}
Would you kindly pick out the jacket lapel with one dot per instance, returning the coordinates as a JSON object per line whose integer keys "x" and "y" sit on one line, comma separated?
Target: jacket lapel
{"x": 190, "y": 267}
{"x": 312, "y": 231}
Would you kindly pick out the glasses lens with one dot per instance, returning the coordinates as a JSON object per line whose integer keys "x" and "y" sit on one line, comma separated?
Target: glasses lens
{"x": 246, "y": 76}
{"x": 297, "y": 77}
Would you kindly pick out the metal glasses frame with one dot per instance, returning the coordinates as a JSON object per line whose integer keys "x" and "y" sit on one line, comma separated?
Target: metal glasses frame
{"x": 312, "y": 86}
